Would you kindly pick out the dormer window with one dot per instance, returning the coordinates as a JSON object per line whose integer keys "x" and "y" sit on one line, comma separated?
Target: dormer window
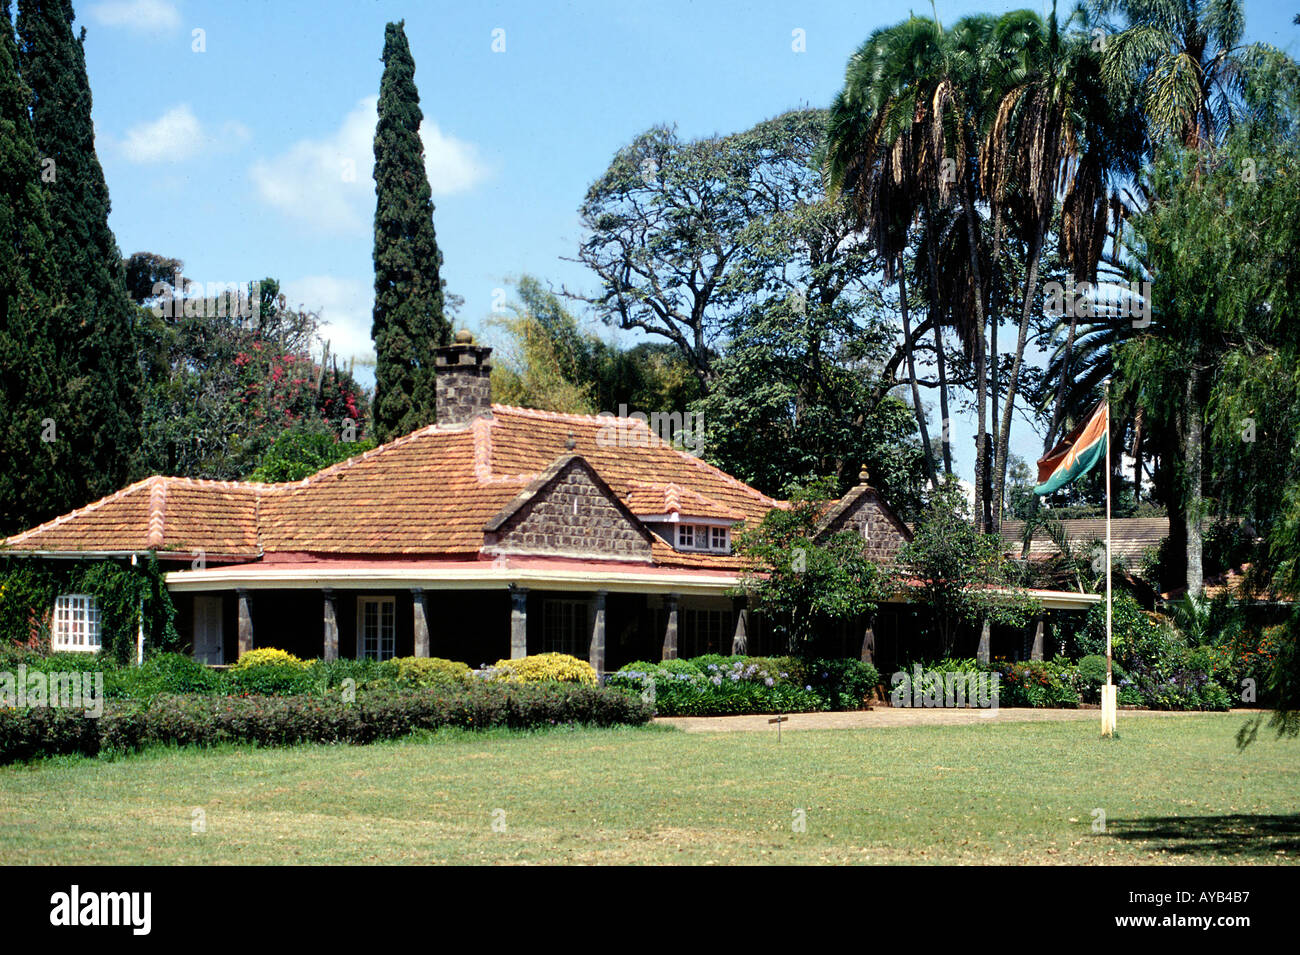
{"x": 704, "y": 537}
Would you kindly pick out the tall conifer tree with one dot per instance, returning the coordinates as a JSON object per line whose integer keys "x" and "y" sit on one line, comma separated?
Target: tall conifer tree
{"x": 97, "y": 372}
{"x": 33, "y": 482}
{"x": 408, "y": 318}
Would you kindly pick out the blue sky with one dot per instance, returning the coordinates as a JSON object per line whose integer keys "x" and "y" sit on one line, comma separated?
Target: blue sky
{"x": 252, "y": 157}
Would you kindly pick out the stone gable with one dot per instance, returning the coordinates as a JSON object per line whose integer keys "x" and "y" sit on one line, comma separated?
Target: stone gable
{"x": 571, "y": 514}
{"x": 862, "y": 507}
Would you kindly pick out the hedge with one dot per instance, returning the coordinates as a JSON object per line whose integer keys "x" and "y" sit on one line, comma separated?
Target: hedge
{"x": 287, "y": 720}
{"x": 715, "y": 685}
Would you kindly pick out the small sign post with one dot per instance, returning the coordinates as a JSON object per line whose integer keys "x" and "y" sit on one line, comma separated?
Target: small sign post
{"x": 778, "y": 720}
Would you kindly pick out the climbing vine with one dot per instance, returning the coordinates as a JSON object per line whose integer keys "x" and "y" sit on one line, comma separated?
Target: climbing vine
{"x": 122, "y": 592}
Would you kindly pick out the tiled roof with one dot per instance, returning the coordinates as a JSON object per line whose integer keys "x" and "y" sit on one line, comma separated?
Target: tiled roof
{"x": 1130, "y": 537}
{"x": 161, "y": 513}
{"x": 622, "y": 450}
{"x": 429, "y": 493}
{"x": 646, "y": 499}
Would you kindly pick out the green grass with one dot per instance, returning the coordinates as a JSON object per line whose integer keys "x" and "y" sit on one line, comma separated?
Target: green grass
{"x": 1173, "y": 790}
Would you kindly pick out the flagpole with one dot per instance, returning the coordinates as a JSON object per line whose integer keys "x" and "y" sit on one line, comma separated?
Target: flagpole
{"x": 1108, "y": 702}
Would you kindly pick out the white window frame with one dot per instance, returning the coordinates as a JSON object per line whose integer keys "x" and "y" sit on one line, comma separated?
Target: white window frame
{"x": 381, "y": 641}
{"x": 720, "y": 539}
{"x": 702, "y": 537}
{"x": 75, "y": 627}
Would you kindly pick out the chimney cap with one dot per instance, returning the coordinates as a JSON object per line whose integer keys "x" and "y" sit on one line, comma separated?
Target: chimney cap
{"x": 464, "y": 337}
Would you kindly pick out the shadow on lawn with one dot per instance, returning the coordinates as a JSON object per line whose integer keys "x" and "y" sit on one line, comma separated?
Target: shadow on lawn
{"x": 1237, "y": 835}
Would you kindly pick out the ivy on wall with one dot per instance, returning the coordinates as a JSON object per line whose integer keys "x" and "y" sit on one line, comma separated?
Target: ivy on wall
{"x": 29, "y": 586}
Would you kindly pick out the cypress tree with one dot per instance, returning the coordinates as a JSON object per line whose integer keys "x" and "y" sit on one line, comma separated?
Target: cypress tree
{"x": 97, "y": 373}
{"x": 408, "y": 318}
{"x": 33, "y": 481}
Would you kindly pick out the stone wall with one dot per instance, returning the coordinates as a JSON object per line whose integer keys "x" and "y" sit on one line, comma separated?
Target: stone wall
{"x": 884, "y": 536}
{"x": 573, "y": 516}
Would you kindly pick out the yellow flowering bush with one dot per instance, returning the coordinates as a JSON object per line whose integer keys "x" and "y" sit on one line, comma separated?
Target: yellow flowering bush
{"x": 426, "y": 670}
{"x": 541, "y": 667}
{"x": 268, "y": 656}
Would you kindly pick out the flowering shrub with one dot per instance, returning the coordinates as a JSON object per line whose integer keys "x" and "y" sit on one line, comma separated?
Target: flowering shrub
{"x": 268, "y": 656}
{"x": 1249, "y": 657}
{"x": 283, "y": 721}
{"x": 542, "y": 667}
{"x": 1177, "y": 680}
{"x": 1038, "y": 683}
{"x": 715, "y": 685}
{"x": 426, "y": 671}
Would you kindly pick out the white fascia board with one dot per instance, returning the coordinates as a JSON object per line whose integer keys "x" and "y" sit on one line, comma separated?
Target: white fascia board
{"x": 489, "y": 578}
{"x": 687, "y": 519}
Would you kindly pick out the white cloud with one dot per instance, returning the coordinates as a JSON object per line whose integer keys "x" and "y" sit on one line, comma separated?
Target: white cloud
{"x": 452, "y": 164}
{"x": 346, "y": 307}
{"x": 178, "y": 135}
{"x": 142, "y": 16}
{"x": 327, "y": 183}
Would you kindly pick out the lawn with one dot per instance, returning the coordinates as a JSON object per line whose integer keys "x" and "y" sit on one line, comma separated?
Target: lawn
{"x": 1172, "y": 790}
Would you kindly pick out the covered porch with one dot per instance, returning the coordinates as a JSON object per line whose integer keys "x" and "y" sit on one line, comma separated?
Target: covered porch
{"x": 472, "y": 611}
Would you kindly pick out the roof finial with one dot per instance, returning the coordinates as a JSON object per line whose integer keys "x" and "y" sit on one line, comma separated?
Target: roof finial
{"x": 571, "y": 443}
{"x": 464, "y": 337}
{"x": 862, "y": 475}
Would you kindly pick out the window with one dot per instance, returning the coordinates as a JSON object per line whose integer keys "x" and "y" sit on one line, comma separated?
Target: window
{"x": 376, "y": 628}
{"x": 704, "y": 537}
{"x": 565, "y": 629}
{"x": 76, "y": 623}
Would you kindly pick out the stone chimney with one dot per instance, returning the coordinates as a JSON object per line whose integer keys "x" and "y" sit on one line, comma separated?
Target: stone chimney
{"x": 463, "y": 391}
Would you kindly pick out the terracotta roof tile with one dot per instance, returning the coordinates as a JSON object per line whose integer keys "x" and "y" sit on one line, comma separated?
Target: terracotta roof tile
{"x": 161, "y": 513}
{"x": 428, "y": 493}
{"x": 646, "y": 499}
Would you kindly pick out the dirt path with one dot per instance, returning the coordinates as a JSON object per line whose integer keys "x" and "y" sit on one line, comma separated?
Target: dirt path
{"x": 896, "y": 716}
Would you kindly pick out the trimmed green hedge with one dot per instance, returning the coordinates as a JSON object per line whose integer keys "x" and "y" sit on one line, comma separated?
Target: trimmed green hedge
{"x": 287, "y": 720}
{"x": 181, "y": 673}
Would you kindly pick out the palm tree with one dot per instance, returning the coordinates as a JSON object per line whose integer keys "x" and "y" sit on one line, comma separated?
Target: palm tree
{"x": 1057, "y": 134}
{"x": 878, "y": 115}
{"x": 1183, "y": 60}
{"x": 901, "y": 143}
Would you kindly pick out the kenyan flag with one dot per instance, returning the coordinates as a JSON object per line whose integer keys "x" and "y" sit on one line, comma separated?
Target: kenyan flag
{"x": 1076, "y": 454}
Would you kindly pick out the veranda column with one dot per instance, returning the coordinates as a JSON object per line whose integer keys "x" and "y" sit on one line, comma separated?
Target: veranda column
{"x": 331, "y": 648}
{"x": 518, "y": 622}
{"x": 245, "y": 622}
{"x": 740, "y": 638}
{"x": 1036, "y": 653}
{"x": 596, "y": 655}
{"x": 420, "y": 622}
{"x": 670, "y": 628}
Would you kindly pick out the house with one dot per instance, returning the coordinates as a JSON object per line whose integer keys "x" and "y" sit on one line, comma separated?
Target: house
{"x": 496, "y": 532}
